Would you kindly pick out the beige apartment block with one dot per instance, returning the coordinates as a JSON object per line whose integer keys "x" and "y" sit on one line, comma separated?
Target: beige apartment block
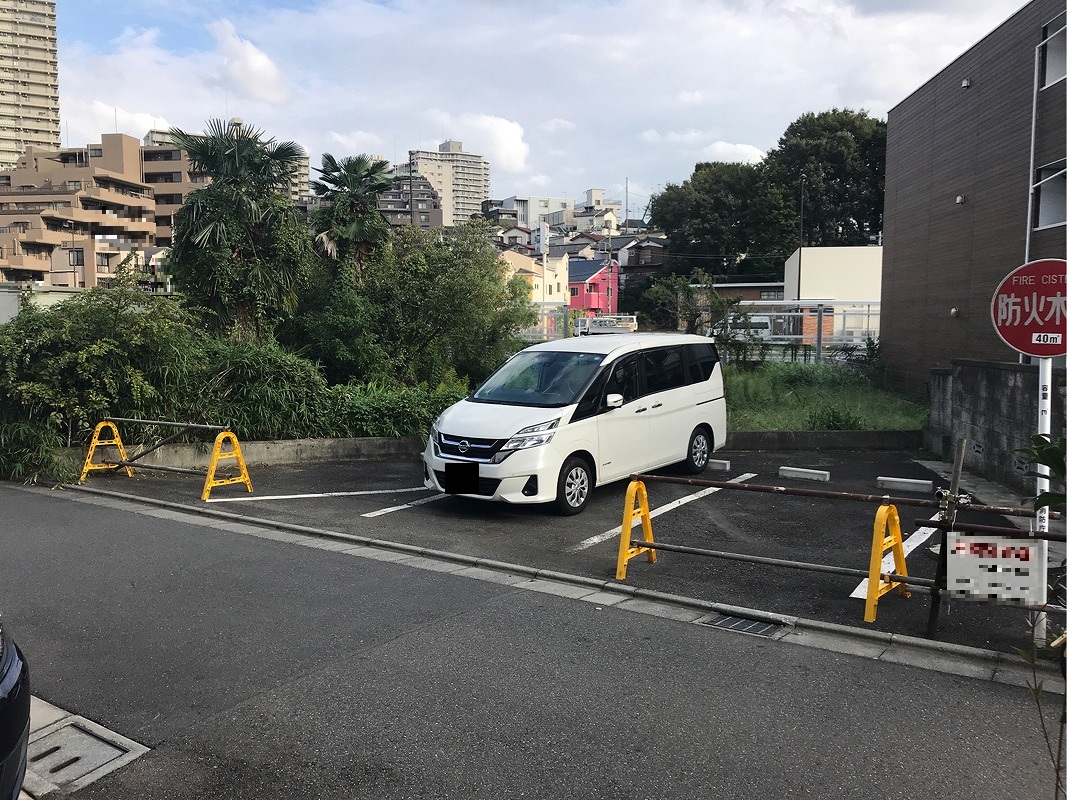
{"x": 68, "y": 217}
{"x": 460, "y": 178}
{"x": 29, "y": 82}
{"x": 167, "y": 170}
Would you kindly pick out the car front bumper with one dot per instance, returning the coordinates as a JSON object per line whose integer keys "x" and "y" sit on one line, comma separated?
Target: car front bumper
{"x": 526, "y": 476}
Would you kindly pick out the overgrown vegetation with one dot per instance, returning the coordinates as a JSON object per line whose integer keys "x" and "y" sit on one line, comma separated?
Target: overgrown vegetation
{"x": 779, "y": 396}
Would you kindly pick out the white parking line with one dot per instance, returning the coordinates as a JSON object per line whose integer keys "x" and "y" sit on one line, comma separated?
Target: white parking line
{"x": 913, "y": 541}
{"x": 321, "y": 494}
{"x": 603, "y": 537}
{"x": 406, "y": 505}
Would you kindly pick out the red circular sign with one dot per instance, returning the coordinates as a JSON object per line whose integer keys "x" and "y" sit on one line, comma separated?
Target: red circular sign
{"x": 1030, "y": 308}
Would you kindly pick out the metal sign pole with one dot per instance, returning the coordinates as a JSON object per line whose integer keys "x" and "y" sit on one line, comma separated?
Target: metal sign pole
{"x": 1044, "y": 426}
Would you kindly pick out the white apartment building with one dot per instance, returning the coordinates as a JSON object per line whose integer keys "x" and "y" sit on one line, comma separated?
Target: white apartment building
{"x": 461, "y": 179}
{"x": 29, "y": 78}
{"x": 532, "y": 209}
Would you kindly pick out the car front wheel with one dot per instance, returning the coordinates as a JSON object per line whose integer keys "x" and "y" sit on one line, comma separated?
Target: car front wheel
{"x": 572, "y": 489}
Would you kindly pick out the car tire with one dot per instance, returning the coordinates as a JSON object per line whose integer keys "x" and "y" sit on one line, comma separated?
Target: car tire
{"x": 699, "y": 452}
{"x": 573, "y": 487}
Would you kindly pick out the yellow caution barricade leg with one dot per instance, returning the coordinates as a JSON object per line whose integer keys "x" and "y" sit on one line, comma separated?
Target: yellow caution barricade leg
{"x": 217, "y": 455}
{"x": 99, "y": 441}
{"x": 635, "y": 492}
{"x": 886, "y": 537}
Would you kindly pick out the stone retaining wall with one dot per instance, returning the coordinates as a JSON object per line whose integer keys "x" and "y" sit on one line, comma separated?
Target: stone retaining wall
{"x": 993, "y": 405}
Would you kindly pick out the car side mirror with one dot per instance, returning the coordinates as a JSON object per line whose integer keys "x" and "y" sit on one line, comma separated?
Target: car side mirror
{"x": 613, "y": 401}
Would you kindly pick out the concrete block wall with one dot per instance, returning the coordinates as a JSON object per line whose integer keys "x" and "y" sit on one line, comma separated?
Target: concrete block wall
{"x": 993, "y": 405}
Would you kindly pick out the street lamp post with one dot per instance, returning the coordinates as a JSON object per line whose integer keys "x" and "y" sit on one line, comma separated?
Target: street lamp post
{"x": 800, "y": 248}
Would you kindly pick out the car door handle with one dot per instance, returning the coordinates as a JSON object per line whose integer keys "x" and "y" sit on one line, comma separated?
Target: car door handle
{"x": 657, "y": 405}
{"x": 639, "y": 410}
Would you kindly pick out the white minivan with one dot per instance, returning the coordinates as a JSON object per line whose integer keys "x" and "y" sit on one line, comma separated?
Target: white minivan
{"x": 561, "y": 417}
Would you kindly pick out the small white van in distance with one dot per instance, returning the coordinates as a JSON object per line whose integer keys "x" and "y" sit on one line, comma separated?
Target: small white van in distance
{"x": 561, "y": 417}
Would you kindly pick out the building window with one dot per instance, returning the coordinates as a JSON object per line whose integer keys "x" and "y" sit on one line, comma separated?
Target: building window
{"x": 424, "y": 219}
{"x": 1050, "y": 196}
{"x": 1054, "y": 58}
{"x": 101, "y": 259}
{"x": 609, "y": 291}
{"x": 771, "y": 295}
{"x": 574, "y": 291}
{"x": 77, "y": 258}
{"x": 550, "y": 288}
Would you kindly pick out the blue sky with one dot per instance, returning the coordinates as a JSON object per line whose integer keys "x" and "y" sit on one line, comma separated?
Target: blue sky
{"x": 560, "y": 97}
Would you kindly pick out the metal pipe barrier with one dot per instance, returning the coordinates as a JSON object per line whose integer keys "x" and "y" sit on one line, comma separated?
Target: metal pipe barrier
{"x": 225, "y": 436}
{"x": 886, "y": 534}
{"x": 992, "y": 530}
{"x": 781, "y": 562}
{"x": 1007, "y": 511}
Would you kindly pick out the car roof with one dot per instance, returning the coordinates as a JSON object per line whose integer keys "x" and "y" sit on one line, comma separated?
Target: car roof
{"x": 610, "y": 343}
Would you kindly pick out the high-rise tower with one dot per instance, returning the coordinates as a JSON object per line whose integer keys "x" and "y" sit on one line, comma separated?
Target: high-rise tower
{"x": 29, "y": 82}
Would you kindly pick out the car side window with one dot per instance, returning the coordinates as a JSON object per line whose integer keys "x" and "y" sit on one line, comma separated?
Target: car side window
{"x": 700, "y": 361}
{"x": 625, "y": 379}
{"x": 663, "y": 369}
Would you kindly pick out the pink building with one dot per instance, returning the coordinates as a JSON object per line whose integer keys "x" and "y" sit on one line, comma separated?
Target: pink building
{"x": 594, "y": 286}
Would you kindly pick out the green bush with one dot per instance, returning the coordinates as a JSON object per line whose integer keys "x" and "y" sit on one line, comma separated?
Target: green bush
{"x": 791, "y": 396}
{"x": 380, "y": 409}
{"x": 833, "y": 417}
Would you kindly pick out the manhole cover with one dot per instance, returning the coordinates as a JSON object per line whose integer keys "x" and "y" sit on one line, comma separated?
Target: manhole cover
{"x": 753, "y": 627}
{"x": 74, "y": 753}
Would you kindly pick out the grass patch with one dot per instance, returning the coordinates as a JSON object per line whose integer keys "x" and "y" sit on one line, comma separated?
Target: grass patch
{"x": 800, "y": 397}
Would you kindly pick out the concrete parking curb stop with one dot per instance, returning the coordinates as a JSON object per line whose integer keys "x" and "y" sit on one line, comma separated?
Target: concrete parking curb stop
{"x": 946, "y": 657}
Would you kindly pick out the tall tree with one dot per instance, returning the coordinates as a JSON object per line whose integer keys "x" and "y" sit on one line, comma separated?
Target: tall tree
{"x": 841, "y": 155}
{"x": 444, "y": 299}
{"x": 726, "y": 219}
{"x": 239, "y": 242}
{"x": 348, "y": 225}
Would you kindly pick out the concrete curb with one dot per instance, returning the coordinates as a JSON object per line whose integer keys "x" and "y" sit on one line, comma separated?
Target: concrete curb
{"x": 285, "y": 452}
{"x": 947, "y": 657}
{"x": 824, "y": 440}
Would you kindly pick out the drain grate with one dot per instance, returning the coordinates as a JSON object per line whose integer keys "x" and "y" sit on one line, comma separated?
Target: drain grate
{"x": 73, "y": 753}
{"x": 753, "y": 627}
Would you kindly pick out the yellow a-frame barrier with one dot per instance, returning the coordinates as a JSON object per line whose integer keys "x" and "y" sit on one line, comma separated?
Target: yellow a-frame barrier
{"x": 216, "y": 456}
{"x": 97, "y": 441}
{"x": 635, "y": 492}
{"x": 886, "y": 537}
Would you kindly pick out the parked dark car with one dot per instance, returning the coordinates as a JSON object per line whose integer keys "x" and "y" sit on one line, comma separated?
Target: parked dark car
{"x": 14, "y": 716}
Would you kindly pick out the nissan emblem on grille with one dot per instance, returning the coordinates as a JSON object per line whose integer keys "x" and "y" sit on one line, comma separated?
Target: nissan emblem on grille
{"x": 464, "y": 446}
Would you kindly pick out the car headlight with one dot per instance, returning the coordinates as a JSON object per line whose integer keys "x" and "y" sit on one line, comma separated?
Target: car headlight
{"x": 533, "y": 436}
{"x": 435, "y": 434}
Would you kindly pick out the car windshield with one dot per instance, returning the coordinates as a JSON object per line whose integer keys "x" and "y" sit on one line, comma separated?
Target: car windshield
{"x": 539, "y": 378}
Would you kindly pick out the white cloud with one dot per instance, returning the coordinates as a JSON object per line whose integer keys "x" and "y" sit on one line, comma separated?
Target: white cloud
{"x": 248, "y": 69}
{"x": 355, "y": 143}
{"x": 585, "y": 103}
{"x": 730, "y": 152}
{"x": 500, "y": 141}
{"x": 556, "y": 124}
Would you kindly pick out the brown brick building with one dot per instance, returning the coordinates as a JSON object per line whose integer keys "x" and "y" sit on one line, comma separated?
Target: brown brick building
{"x": 975, "y": 187}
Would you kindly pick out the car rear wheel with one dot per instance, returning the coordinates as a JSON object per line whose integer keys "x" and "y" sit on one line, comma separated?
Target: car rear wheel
{"x": 699, "y": 451}
{"x": 573, "y": 487}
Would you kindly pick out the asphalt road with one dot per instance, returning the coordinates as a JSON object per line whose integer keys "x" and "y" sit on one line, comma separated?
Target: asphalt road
{"x": 812, "y": 530}
{"x": 263, "y": 669}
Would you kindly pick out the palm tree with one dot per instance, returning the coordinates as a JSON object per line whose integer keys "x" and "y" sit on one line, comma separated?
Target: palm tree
{"x": 244, "y": 167}
{"x": 239, "y": 242}
{"x": 348, "y": 225}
